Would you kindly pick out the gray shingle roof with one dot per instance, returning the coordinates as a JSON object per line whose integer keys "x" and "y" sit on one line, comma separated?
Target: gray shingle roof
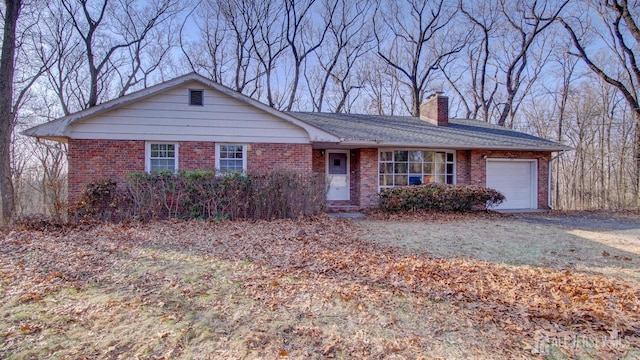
{"x": 357, "y": 129}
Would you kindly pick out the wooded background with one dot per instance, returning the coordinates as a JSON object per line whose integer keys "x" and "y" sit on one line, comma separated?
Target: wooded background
{"x": 564, "y": 70}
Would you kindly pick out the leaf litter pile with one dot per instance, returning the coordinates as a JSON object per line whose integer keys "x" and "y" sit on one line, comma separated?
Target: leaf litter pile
{"x": 308, "y": 288}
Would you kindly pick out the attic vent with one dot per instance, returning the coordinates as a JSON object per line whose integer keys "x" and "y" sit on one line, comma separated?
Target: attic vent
{"x": 196, "y": 97}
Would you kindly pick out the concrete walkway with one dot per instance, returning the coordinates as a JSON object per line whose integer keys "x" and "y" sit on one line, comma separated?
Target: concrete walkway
{"x": 521, "y": 211}
{"x": 347, "y": 215}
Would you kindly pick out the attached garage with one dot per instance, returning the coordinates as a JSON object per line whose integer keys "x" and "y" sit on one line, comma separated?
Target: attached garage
{"x": 516, "y": 179}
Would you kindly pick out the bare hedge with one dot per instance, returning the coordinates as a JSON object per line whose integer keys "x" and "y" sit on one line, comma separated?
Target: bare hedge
{"x": 202, "y": 194}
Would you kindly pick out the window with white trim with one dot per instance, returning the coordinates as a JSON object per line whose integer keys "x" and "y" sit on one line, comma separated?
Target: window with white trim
{"x": 415, "y": 167}
{"x": 231, "y": 157}
{"x": 161, "y": 156}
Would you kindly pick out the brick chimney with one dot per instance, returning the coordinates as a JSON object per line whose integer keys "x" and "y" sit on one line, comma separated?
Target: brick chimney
{"x": 436, "y": 109}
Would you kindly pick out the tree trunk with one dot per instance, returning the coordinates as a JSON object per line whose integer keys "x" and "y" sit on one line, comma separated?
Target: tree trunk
{"x": 636, "y": 147}
{"x": 12, "y": 10}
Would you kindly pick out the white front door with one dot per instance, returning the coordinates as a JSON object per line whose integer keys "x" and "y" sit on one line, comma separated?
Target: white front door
{"x": 338, "y": 174}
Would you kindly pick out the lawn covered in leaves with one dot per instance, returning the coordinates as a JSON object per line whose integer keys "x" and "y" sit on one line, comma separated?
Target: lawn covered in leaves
{"x": 309, "y": 288}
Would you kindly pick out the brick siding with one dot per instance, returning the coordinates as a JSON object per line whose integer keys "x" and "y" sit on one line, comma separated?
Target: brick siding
{"x": 268, "y": 157}
{"x": 318, "y": 162}
{"x": 91, "y": 160}
{"x": 471, "y": 168}
{"x": 354, "y": 174}
{"x": 368, "y": 169}
{"x": 193, "y": 155}
{"x": 463, "y": 167}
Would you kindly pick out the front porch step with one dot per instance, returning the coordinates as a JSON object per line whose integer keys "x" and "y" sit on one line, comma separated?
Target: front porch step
{"x": 342, "y": 208}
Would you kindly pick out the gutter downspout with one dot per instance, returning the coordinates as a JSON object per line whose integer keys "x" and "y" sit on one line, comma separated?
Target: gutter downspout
{"x": 549, "y": 197}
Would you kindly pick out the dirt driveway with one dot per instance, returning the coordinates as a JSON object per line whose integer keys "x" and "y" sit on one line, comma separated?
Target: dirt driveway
{"x": 606, "y": 243}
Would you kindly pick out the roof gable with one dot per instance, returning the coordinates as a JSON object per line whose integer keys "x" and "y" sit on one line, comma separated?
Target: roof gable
{"x": 61, "y": 129}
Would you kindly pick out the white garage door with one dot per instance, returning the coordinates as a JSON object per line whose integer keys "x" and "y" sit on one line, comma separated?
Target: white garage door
{"x": 516, "y": 179}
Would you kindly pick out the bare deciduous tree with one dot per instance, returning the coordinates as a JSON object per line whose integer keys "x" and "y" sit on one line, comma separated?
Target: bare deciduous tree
{"x": 383, "y": 90}
{"x": 22, "y": 61}
{"x": 301, "y": 37}
{"x": 225, "y": 50}
{"x": 52, "y": 186}
{"x": 616, "y": 25}
{"x": 7, "y": 117}
{"x": 349, "y": 38}
{"x": 528, "y": 22}
{"x": 475, "y": 78}
{"x": 568, "y": 68}
{"x": 269, "y": 43}
{"x": 415, "y": 37}
{"x": 108, "y": 31}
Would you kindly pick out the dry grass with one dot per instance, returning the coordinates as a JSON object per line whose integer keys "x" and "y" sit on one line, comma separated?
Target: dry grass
{"x": 516, "y": 240}
{"x": 290, "y": 289}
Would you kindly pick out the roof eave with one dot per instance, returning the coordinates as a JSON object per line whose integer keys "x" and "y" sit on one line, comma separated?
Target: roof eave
{"x": 39, "y": 136}
{"x": 382, "y": 143}
{"x": 62, "y": 139}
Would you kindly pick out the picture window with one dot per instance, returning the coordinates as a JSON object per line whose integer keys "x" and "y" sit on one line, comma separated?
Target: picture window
{"x": 415, "y": 167}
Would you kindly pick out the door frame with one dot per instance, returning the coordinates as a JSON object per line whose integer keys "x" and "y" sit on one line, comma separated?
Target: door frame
{"x": 348, "y": 174}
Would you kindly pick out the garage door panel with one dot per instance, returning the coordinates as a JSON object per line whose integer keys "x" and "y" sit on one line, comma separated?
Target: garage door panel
{"x": 516, "y": 180}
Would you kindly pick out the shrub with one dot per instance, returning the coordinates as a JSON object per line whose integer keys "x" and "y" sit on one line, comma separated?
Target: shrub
{"x": 439, "y": 197}
{"x": 146, "y": 201}
{"x": 204, "y": 194}
{"x": 286, "y": 195}
{"x": 201, "y": 193}
{"x": 99, "y": 201}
